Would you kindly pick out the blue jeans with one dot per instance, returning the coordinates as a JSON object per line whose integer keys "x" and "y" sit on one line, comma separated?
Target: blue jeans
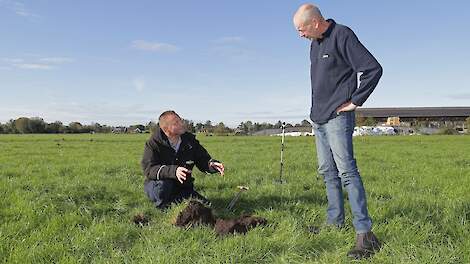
{"x": 338, "y": 167}
{"x": 165, "y": 192}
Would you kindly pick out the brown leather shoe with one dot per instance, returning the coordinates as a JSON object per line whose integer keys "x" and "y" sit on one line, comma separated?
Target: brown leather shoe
{"x": 366, "y": 245}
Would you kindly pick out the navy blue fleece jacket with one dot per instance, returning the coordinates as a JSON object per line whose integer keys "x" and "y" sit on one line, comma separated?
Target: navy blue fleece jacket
{"x": 335, "y": 61}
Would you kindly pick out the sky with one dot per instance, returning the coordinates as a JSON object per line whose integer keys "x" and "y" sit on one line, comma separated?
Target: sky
{"x": 124, "y": 62}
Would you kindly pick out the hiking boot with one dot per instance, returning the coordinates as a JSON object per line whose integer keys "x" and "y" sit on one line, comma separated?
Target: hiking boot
{"x": 366, "y": 245}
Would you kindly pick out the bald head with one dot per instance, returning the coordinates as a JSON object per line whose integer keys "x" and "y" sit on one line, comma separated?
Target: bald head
{"x": 309, "y": 22}
{"x": 306, "y": 13}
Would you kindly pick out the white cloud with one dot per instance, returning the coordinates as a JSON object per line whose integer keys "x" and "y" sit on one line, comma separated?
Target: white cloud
{"x": 22, "y": 13}
{"x": 56, "y": 60}
{"x": 33, "y": 66}
{"x": 12, "y": 60}
{"x": 154, "y": 46}
{"x": 46, "y": 63}
{"x": 18, "y": 8}
{"x": 139, "y": 84}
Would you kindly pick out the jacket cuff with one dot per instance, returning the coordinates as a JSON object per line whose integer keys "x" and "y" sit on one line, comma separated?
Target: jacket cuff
{"x": 211, "y": 169}
{"x": 166, "y": 172}
{"x": 357, "y": 103}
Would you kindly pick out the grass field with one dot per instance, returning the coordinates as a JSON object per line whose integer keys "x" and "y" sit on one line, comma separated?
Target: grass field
{"x": 71, "y": 198}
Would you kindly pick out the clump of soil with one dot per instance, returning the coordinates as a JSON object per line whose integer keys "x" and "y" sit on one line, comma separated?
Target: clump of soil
{"x": 140, "y": 219}
{"x": 196, "y": 213}
{"x": 239, "y": 225}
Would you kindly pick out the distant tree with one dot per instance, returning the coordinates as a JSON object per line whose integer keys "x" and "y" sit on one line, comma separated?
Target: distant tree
{"x": 289, "y": 125}
{"x": 249, "y": 127}
{"x": 56, "y": 127}
{"x": 1, "y": 128}
{"x": 305, "y": 123}
{"x": 96, "y": 127}
{"x": 266, "y": 125}
{"x": 86, "y": 129}
{"x": 9, "y": 127}
{"x": 221, "y": 129}
{"x": 242, "y": 128}
{"x": 105, "y": 129}
{"x": 370, "y": 121}
{"x": 278, "y": 124}
{"x": 75, "y": 127}
{"x": 151, "y": 126}
{"x": 37, "y": 125}
{"x": 199, "y": 127}
{"x": 189, "y": 124}
{"x": 208, "y": 126}
{"x": 22, "y": 125}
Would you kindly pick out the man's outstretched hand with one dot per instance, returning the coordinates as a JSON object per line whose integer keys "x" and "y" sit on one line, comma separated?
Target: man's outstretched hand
{"x": 218, "y": 166}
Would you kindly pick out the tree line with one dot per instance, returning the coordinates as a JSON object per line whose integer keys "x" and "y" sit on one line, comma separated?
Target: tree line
{"x": 244, "y": 128}
{"x": 37, "y": 125}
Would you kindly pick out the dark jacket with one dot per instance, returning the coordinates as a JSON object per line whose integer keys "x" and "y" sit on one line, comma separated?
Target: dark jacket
{"x": 160, "y": 160}
{"x": 335, "y": 61}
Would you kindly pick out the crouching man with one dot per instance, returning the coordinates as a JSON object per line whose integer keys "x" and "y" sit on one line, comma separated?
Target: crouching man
{"x": 169, "y": 157}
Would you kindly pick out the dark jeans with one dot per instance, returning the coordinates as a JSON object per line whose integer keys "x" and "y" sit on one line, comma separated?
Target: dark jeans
{"x": 165, "y": 192}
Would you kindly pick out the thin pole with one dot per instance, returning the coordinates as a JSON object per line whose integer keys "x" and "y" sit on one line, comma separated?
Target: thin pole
{"x": 282, "y": 151}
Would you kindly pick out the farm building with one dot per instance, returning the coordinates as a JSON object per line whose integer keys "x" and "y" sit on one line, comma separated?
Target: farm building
{"x": 432, "y": 116}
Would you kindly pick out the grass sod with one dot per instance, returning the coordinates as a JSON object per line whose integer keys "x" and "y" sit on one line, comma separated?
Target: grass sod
{"x": 71, "y": 199}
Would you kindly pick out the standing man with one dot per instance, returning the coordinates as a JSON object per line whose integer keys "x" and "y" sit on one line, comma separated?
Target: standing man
{"x": 337, "y": 57}
{"x": 169, "y": 156}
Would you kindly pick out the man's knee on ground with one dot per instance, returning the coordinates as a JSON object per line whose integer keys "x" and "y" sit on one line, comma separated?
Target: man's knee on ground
{"x": 158, "y": 190}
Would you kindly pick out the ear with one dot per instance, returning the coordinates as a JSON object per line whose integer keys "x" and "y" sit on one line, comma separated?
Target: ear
{"x": 315, "y": 23}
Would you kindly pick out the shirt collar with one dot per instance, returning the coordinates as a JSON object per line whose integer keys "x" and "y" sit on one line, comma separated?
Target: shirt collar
{"x": 176, "y": 145}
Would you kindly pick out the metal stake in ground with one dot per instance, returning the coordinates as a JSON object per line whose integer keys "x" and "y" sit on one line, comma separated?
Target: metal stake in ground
{"x": 237, "y": 196}
{"x": 282, "y": 153}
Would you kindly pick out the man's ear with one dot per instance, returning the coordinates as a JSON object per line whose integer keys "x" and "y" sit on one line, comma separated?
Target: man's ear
{"x": 315, "y": 23}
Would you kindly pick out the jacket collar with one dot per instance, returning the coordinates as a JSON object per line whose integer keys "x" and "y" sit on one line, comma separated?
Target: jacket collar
{"x": 160, "y": 138}
{"x": 328, "y": 31}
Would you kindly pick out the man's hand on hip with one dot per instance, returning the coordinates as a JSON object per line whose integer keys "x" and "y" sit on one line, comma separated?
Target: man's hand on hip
{"x": 346, "y": 107}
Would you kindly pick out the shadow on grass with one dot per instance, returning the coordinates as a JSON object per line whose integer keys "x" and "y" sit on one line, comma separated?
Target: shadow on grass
{"x": 270, "y": 202}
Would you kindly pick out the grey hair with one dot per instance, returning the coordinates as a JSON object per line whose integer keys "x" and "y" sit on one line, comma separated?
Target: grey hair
{"x": 163, "y": 118}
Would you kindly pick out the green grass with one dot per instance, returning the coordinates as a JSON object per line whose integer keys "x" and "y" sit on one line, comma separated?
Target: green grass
{"x": 71, "y": 198}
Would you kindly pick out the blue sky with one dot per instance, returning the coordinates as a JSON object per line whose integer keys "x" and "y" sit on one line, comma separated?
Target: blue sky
{"x": 123, "y": 62}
